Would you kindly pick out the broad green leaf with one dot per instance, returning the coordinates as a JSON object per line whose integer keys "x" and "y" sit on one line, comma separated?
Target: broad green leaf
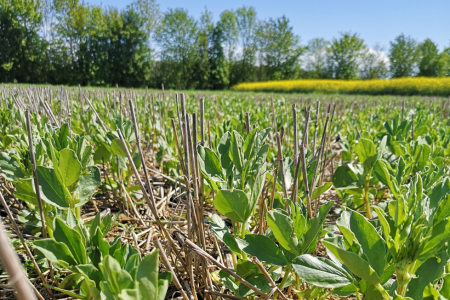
{"x": 117, "y": 149}
{"x": 237, "y": 151}
{"x": 116, "y": 279}
{"x": 321, "y": 272}
{"x": 263, "y": 248}
{"x": 445, "y": 290}
{"x": 315, "y": 226}
{"x": 440, "y": 234}
{"x": 164, "y": 279}
{"x": 347, "y": 177}
{"x": 256, "y": 188}
{"x": 10, "y": 168}
{"x": 430, "y": 293}
{"x": 443, "y": 210}
{"x": 354, "y": 263}
{"x": 431, "y": 270}
{"x": 90, "y": 272}
{"x": 25, "y": 192}
{"x": 249, "y": 143}
{"x": 51, "y": 189}
{"x": 258, "y": 160}
{"x": 321, "y": 189}
{"x": 224, "y": 149}
{"x": 64, "y": 234}
{"x": 367, "y": 153}
{"x": 69, "y": 168}
{"x": 147, "y": 276}
{"x": 233, "y": 204}
{"x": 282, "y": 228}
{"x": 55, "y": 252}
{"x": 257, "y": 280}
{"x": 129, "y": 294}
{"x": 108, "y": 222}
{"x": 220, "y": 230}
{"x": 438, "y": 193}
{"x": 367, "y": 236}
{"x": 210, "y": 164}
{"x": 88, "y": 184}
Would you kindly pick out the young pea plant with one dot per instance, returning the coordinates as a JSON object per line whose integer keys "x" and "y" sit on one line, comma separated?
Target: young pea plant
{"x": 411, "y": 245}
{"x": 236, "y": 175}
{"x": 358, "y": 180}
{"x": 67, "y": 180}
{"x": 101, "y": 269}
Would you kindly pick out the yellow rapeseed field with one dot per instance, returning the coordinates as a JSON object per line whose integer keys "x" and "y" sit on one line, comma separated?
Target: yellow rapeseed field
{"x": 401, "y": 86}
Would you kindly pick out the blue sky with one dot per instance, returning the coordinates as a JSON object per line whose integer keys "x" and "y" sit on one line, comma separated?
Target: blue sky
{"x": 376, "y": 21}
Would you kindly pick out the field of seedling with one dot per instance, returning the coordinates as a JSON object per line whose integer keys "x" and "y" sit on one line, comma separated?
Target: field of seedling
{"x": 152, "y": 195}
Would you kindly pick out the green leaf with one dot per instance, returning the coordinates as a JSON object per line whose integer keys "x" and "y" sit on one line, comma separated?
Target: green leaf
{"x": 55, "y": 252}
{"x": 263, "y": 248}
{"x": 347, "y": 177}
{"x": 210, "y": 164}
{"x": 257, "y": 280}
{"x": 220, "y": 230}
{"x": 223, "y": 148}
{"x": 233, "y": 204}
{"x": 250, "y": 143}
{"x": 10, "y": 168}
{"x": 25, "y": 192}
{"x": 88, "y": 184}
{"x": 315, "y": 226}
{"x": 108, "y": 222}
{"x": 51, "y": 189}
{"x": 445, "y": 290}
{"x": 256, "y": 189}
{"x": 164, "y": 279}
{"x": 69, "y": 168}
{"x": 237, "y": 151}
{"x": 68, "y": 293}
{"x": 367, "y": 153}
{"x": 117, "y": 149}
{"x": 64, "y": 234}
{"x": 147, "y": 276}
{"x": 321, "y": 189}
{"x": 321, "y": 272}
{"x": 431, "y": 270}
{"x": 354, "y": 263}
{"x": 371, "y": 242}
{"x": 259, "y": 160}
{"x": 116, "y": 279}
{"x": 440, "y": 234}
{"x": 282, "y": 228}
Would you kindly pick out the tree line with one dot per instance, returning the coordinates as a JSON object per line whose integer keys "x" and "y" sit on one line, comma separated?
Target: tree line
{"x": 70, "y": 42}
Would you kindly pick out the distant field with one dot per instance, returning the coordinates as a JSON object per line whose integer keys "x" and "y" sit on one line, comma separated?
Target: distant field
{"x": 403, "y": 86}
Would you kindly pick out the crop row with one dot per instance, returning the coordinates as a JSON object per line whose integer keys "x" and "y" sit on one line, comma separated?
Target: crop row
{"x": 269, "y": 197}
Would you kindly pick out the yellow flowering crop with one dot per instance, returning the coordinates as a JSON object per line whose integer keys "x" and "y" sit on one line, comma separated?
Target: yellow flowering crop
{"x": 400, "y": 86}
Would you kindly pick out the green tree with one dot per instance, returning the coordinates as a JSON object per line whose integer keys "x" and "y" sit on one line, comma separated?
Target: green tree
{"x": 403, "y": 56}
{"x": 316, "y": 59}
{"x": 177, "y": 38}
{"x": 219, "y": 77}
{"x": 229, "y": 29}
{"x": 432, "y": 63}
{"x": 244, "y": 68}
{"x": 279, "y": 49}
{"x": 344, "y": 56}
{"x": 374, "y": 64}
{"x": 21, "y": 50}
{"x": 148, "y": 11}
{"x": 203, "y": 67}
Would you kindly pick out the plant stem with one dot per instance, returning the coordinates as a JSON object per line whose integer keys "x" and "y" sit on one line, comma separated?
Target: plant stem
{"x": 383, "y": 292}
{"x": 366, "y": 199}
